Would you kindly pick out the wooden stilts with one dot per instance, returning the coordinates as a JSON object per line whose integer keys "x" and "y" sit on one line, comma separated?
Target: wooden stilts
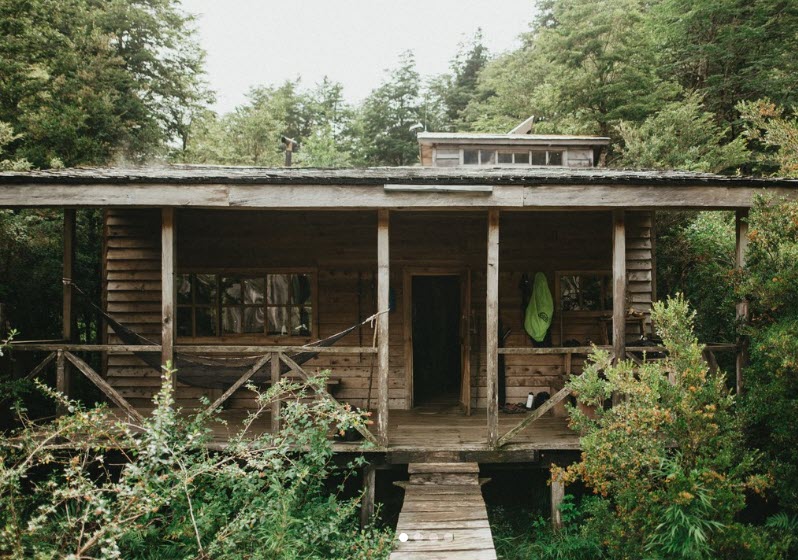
{"x": 68, "y": 320}
{"x": 383, "y": 303}
{"x": 557, "y": 496}
{"x": 618, "y": 285}
{"x": 492, "y": 328}
{"x": 367, "y": 503}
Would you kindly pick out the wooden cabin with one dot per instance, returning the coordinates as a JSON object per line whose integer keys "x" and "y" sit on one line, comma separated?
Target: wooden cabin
{"x": 248, "y": 261}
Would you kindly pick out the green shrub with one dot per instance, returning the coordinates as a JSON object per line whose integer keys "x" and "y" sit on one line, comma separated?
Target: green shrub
{"x": 170, "y": 496}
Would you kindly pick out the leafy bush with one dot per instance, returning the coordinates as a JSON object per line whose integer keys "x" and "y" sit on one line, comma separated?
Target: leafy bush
{"x": 669, "y": 459}
{"x": 88, "y": 485}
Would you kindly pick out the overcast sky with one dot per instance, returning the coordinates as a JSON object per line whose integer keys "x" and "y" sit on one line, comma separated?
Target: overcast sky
{"x": 253, "y": 42}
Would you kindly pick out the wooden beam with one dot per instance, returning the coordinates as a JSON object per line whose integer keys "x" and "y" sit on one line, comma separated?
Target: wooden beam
{"x": 741, "y": 248}
{"x": 68, "y": 319}
{"x": 243, "y": 379}
{"x": 383, "y": 303}
{"x": 367, "y": 502}
{"x": 343, "y": 195}
{"x": 492, "y": 328}
{"x": 60, "y": 381}
{"x": 168, "y": 311}
{"x": 537, "y": 413}
{"x": 618, "y": 285}
{"x": 103, "y": 385}
{"x": 276, "y": 403}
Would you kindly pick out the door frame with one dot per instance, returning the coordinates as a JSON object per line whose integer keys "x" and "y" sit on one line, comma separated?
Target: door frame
{"x": 464, "y": 274}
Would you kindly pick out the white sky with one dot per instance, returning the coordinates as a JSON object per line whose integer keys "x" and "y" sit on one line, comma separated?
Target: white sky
{"x": 254, "y": 42}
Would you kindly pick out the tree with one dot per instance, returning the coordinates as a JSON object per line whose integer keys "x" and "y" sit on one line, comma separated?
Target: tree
{"x": 86, "y": 81}
{"x": 681, "y": 135}
{"x": 583, "y": 68}
{"x": 387, "y": 115}
{"x": 773, "y": 135}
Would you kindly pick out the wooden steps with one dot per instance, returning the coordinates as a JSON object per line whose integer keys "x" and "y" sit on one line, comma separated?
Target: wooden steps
{"x": 443, "y": 516}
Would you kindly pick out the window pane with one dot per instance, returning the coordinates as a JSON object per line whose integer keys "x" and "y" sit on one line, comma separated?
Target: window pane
{"x": 253, "y": 319}
{"x": 232, "y": 320}
{"x": 302, "y": 289}
{"x": 253, "y": 290}
{"x": 583, "y": 293}
{"x": 206, "y": 321}
{"x": 183, "y": 288}
{"x": 184, "y": 321}
{"x": 522, "y": 158}
{"x": 205, "y": 289}
{"x": 487, "y": 157}
{"x": 538, "y": 158}
{"x": 231, "y": 290}
{"x": 279, "y": 321}
{"x": 555, "y": 158}
{"x": 505, "y": 157}
{"x": 280, "y": 289}
{"x": 470, "y": 157}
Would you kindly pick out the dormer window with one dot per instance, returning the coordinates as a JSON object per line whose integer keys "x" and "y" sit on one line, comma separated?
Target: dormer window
{"x": 512, "y": 157}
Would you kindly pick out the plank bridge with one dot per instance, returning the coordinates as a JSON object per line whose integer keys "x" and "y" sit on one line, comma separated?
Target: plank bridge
{"x": 443, "y": 516}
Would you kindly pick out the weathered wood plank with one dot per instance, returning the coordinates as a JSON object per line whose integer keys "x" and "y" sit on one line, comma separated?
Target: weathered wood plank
{"x": 383, "y": 303}
{"x": 168, "y": 309}
{"x": 101, "y": 384}
{"x": 619, "y": 284}
{"x": 492, "y": 327}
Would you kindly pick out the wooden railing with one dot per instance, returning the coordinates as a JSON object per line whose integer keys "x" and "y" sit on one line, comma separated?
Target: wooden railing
{"x": 63, "y": 353}
{"x": 568, "y": 353}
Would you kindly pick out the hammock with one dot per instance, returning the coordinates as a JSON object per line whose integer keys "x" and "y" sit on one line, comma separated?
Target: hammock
{"x": 214, "y": 372}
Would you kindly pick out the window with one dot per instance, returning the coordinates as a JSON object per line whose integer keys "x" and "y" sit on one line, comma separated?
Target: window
{"x": 538, "y": 158}
{"x": 505, "y": 157}
{"x": 555, "y": 158}
{"x": 470, "y": 157}
{"x": 487, "y": 157}
{"x": 587, "y": 291}
{"x": 276, "y": 304}
{"x": 521, "y": 158}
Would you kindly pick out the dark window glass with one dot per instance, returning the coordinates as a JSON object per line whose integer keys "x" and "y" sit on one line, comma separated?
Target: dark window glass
{"x": 521, "y": 158}
{"x": 555, "y": 158}
{"x": 585, "y": 293}
{"x": 183, "y": 289}
{"x": 538, "y": 158}
{"x": 505, "y": 157}
{"x": 204, "y": 289}
{"x": 205, "y": 321}
{"x": 470, "y": 157}
{"x": 184, "y": 321}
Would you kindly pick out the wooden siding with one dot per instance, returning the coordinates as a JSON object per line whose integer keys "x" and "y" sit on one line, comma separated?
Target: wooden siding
{"x": 341, "y": 248}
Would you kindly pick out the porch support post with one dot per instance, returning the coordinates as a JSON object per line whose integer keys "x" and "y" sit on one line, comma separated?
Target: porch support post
{"x": 68, "y": 323}
{"x": 383, "y": 303}
{"x": 168, "y": 237}
{"x": 367, "y": 502}
{"x": 492, "y": 328}
{"x": 276, "y": 403}
{"x": 618, "y": 285}
{"x": 741, "y": 248}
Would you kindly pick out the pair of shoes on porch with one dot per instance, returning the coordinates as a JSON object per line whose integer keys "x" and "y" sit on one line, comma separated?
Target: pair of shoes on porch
{"x": 514, "y": 408}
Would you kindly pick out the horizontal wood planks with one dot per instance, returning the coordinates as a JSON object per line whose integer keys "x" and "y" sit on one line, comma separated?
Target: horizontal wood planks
{"x": 443, "y": 515}
{"x": 340, "y": 247}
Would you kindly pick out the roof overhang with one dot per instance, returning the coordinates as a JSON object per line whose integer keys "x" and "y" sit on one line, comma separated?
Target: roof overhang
{"x": 395, "y": 188}
{"x": 460, "y": 139}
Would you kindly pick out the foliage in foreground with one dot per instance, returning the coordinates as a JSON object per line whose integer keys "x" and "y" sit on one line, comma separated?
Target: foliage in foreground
{"x": 770, "y": 398}
{"x": 668, "y": 460}
{"x": 88, "y": 486}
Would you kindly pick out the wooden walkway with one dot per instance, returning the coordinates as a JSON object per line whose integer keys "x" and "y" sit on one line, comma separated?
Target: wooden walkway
{"x": 443, "y": 516}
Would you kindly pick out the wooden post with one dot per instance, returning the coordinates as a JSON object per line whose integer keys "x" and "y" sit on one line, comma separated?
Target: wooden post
{"x": 168, "y": 286}
{"x": 618, "y": 285}
{"x": 383, "y": 303}
{"x": 557, "y": 496}
{"x": 68, "y": 319}
{"x": 367, "y": 502}
{"x": 741, "y": 230}
{"x": 492, "y": 328}
{"x": 60, "y": 380}
{"x": 276, "y": 368}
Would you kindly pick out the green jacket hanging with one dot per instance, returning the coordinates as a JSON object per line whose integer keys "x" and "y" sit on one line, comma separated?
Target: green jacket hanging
{"x": 540, "y": 309}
